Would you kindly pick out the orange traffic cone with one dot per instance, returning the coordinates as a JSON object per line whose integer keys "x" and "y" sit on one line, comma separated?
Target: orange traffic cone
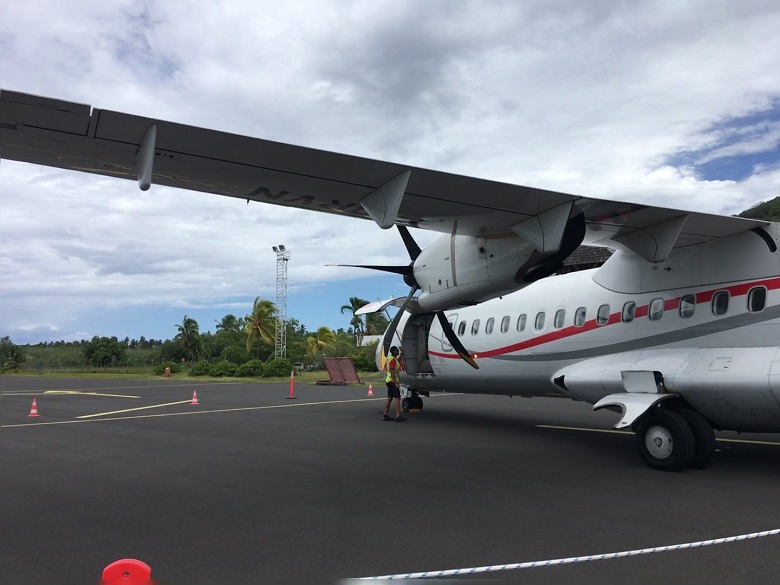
{"x": 34, "y": 408}
{"x": 370, "y": 390}
{"x": 194, "y": 397}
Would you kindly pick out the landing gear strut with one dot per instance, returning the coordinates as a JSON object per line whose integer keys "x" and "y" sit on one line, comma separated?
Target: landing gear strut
{"x": 671, "y": 440}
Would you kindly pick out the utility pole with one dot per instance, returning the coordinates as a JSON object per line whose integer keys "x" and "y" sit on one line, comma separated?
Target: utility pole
{"x": 282, "y": 257}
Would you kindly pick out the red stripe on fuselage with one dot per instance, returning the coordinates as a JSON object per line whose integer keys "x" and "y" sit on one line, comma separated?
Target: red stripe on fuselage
{"x": 642, "y": 311}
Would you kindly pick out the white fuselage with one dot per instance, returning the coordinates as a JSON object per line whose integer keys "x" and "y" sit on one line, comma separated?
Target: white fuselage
{"x": 707, "y": 320}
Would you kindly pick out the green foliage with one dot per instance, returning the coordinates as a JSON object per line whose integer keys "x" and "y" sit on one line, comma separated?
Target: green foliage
{"x": 200, "y": 369}
{"x": 12, "y": 357}
{"x": 104, "y": 351}
{"x": 278, "y": 368}
{"x": 251, "y": 369}
{"x": 189, "y": 338}
{"x": 766, "y": 210}
{"x": 260, "y": 324}
{"x": 160, "y": 368}
{"x": 223, "y": 369}
{"x": 364, "y": 358}
{"x": 236, "y": 354}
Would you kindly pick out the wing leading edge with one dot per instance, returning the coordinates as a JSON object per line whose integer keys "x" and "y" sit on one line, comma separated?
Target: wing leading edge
{"x": 75, "y": 136}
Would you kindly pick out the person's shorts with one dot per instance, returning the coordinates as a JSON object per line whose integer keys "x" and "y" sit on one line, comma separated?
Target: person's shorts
{"x": 393, "y": 391}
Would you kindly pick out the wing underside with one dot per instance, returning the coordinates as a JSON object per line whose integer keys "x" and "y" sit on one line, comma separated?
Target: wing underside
{"x": 75, "y": 136}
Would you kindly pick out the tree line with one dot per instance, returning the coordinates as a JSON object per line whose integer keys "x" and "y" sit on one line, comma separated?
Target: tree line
{"x": 236, "y": 341}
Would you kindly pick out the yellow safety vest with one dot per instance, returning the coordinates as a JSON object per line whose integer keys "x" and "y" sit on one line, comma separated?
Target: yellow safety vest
{"x": 392, "y": 364}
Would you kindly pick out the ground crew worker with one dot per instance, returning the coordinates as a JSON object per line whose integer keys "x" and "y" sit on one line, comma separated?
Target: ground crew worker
{"x": 393, "y": 386}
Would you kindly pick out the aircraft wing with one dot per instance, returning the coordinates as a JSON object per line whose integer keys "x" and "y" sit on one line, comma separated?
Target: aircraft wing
{"x": 75, "y": 136}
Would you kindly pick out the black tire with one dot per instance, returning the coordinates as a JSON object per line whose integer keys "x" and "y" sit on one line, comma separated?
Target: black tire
{"x": 704, "y": 438}
{"x": 665, "y": 440}
{"x": 405, "y": 406}
{"x": 417, "y": 402}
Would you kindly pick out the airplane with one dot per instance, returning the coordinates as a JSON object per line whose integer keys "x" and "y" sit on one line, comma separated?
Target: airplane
{"x": 677, "y": 332}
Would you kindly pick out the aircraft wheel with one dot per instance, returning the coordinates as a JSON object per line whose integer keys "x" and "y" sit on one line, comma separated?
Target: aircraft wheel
{"x": 417, "y": 402}
{"x": 703, "y": 436}
{"x": 665, "y": 440}
{"x": 405, "y": 405}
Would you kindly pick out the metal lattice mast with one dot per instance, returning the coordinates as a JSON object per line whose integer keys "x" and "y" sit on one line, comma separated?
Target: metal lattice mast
{"x": 282, "y": 257}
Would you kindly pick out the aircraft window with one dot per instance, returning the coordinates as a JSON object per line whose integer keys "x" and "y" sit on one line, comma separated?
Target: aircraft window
{"x": 687, "y": 306}
{"x": 757, "y": 299}
{"x": 521, "y": 322}
{"x": 461, "y": 328}
{"x": 560, "y": 316}
{"x": 602, "y": 317}
{"x": 475, "y": 327}
{"x": 720, "y": 302}
{"x": 505, "y": 324}
{"x": 489, "y": 325}
{"x": 656, "y": 309}
{"x": 539, "y": 323}
{"x": 579, "y": 317}
{"x": 629, "y": 312}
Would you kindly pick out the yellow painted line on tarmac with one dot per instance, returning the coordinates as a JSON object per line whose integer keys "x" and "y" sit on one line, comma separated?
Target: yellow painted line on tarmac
{"x": 720, "y": 439}
{"x": 190, "y": 412}
{"x": 133, "y": 409}
{"x": 587, "y": 430}
{"x": 749, "y": 442}
{"x": 67, "y": 392}
{"x": 81, "y": 393}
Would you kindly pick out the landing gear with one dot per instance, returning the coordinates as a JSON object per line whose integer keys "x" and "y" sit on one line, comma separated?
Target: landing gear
{"x": 411, "y": 400}
{"x": 703, "y": 436}
{"x": 671, "y": 440}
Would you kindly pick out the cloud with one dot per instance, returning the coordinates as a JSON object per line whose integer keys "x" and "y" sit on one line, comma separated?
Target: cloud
{"x": 667, "y": 103}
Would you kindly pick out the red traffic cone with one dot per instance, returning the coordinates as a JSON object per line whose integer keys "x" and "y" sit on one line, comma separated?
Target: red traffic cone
{"x": 370, "y": 390}
{"x": 34, "y": 408}
{"x": 194, "y": 397}
{"x": 292, "y": 385}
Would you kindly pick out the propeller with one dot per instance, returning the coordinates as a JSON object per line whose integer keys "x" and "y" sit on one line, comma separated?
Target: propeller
{"x": 408, "y": 273}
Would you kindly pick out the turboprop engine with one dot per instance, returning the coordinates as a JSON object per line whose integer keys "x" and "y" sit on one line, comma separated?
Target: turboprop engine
{"x": 462, "y": 270}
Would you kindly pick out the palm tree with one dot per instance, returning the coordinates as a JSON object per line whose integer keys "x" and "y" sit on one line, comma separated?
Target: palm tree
{"x": 323, "y": 340}
{"x": 15, "y": 358}
{"x": 229, "y": 323}
{"x": 356, "y": 322}
{"x": 260, "y": 324}
{"x": 189, "y": 338}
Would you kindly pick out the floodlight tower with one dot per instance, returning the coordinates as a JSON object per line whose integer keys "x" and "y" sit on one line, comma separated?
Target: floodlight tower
{"x": 280, "y": 339}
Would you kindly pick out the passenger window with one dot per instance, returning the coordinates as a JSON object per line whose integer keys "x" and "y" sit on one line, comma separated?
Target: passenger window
{"x": 539, "y": 323}
{"x": 656, "y": 309}
{"x": 579, "y": 317}
{"x": 475, "y": 327}
{"x": 521, "y": 322}
{"x": 461, "y": 328}
{"x": 505, "y": 324}
{"x": 720, "y": 302}
{"x": 687, "y": 306}
{"x": 489, "y": 325}
{"x": 757, "y": 299}
{"x": 602, "y": 316}
{"x": 629, "y": 312}
{"x": 560, "y": 317}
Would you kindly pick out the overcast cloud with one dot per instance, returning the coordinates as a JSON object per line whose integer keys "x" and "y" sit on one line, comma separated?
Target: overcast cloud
{"x": 668, "y": 103}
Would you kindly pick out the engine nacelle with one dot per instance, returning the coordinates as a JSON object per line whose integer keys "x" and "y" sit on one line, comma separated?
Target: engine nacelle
{"x": 464, "y": 270}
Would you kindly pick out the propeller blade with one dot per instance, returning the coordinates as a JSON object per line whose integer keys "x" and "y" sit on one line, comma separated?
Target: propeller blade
{"x": 411, "y": 245}
{"x": 402, "y": 270}
{"x": 449, "y": 333}
{"x": 390, "y": 333}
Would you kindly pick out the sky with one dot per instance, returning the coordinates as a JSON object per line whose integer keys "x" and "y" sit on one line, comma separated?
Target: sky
{"x": 659, "y": 102}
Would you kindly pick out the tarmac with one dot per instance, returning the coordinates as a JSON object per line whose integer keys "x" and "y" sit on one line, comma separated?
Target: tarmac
{"x": 250, "y": 486}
